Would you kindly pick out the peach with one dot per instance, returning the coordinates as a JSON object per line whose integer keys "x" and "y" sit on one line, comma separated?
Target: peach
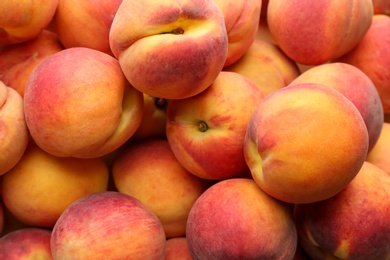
{"x": 173, "y": 49}
{"x": 2, "y": 216}
{"x": 79, "y": 104}
{"x": 177, "y": 248}
{"x": 305, "y": 143}
{"x": 379, "y": 154}
{"x": 17, "y": 61}
{"x": 14, "y": 136}
{"x": 22, "y": 20}
{"x": 206, "y": 132}
{"x": 26, "y": 243}
{"x": 354, "y": 85}
{"x": 372, "y": 56}
{"x": 85, "y": 23}
{"x": 108, "y": 224}
{"x": 242, "y": 20}
{"x": 314, "y": 32}
{"x": 149, "y": 171}
{"x": 235, "y": 219}
{"x": 381, "y": 6}
{"x": 353, "y": 224}
{"x": 41, "y": 186}
{"x": 154, "y": 118}
{"x": 266, "y": 65}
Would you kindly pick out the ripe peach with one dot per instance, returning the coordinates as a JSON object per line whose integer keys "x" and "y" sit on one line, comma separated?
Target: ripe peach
{"x": 379, "y": 154}
{"x": 108, "y": 224}
{"x": 372, "y": 56}
{"x": 149, "y": 171}
{"x": 173, "y": 49}
{"x": 41, "y": 186}
{"x": 85, "y": 23}
{"x": 79, "y": 104}
{"x": 235, "y": 219}
{"x": 22, "y": 20}
{"x": 305, "y": 143}
{"x": 177, "y": 248}
{"x": 266, "y": 65}
{"x": 14, "y": 136}
{"x": 353, "y": 224}
{"x": 314, "y": 32}
{"x": 17, "y": 61}
{"x": 381, "y": 6}
{"x": 354, "y": 85}
{"x": 242, "y": 19}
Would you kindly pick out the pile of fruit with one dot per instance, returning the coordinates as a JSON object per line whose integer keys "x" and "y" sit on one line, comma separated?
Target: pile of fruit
{"x": 195, "y": 129}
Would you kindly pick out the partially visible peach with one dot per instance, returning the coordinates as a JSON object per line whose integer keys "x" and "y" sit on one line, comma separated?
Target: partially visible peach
{"x": 177, "y": 248}
{"x": 17, "y": 61}
{"x": 305, "y": 143}
{"x": 372, "y": 56}
{"x": 379, "y": 154}
{"x": 314, "y": 32}
{"x": 14, "y": 135}
{"x": 381, "y": 6}
{"x": 354, "y": 85}
{"x": 22, "y": 20}
{"x": 242, "y": 18}
{"x": 353, "y": 224}
{"x": 266, "y": 65}
{"x": 79, "y": 104}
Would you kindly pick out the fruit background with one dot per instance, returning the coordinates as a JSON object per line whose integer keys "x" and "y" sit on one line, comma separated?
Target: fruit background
{"x": 195, "y": 129}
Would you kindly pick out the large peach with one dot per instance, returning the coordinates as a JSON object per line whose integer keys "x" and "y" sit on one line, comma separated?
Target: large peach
{"x": 41, "y": 186}
{"x": 314, "y": 32}
{"x": 266, "y": 65}
{"x": 17, "y": 61}
{"x": 85, "y": 23}
{"x": 379, "y": 154}
{"x": 206, "y": 132}
{"x": 354, "y": 85}
{"x": 305, "y": 143}
{"x": 235, "y": 219}
{"x": 14, "y": 136}
{"x": 109, "y": 225}
{"x": 242, "y": 19}
{"x": 353, "y": 224}
{"x": 149, "y": 171}
{"x": 22, "y": 20}
{"x": 78, "y": 103}
{"x": 372, "y": 56}
{"x": 173, "y": 49}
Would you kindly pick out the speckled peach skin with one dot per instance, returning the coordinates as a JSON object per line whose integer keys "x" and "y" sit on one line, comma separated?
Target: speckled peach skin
{"x": 305, "y": 143}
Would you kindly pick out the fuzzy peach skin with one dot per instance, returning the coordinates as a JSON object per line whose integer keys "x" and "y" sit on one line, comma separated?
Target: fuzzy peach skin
{"x": 41, "y": 186}
{"x": 26, "y": 243}
{"x": 108, "y": 225}
{"x": 305, "y": 143}
{"x": 17, "y": 61}
{"x": 22, "y": 20}
{"x": 235, "y": 219}
{"x": 354, "y": 85}
{"x": 78, "y": 103}
{"x": 173, "y": 49}
{"x": 266, "y": 65}
{"x": 372, "y": 56}
{"x": 381, "y": 6}
{"x": 177, "y": 248}
{"x": 379, "y": 154}
{"x": 314, "y": 32}
{"x": 354, "y": 224}
{"x": 242, "y": 19}
{"x": 85, "y": 23}
{"x": 14, "y": 136}
{"x": 149, "y": 171}
{"x": 206, "y": 132}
